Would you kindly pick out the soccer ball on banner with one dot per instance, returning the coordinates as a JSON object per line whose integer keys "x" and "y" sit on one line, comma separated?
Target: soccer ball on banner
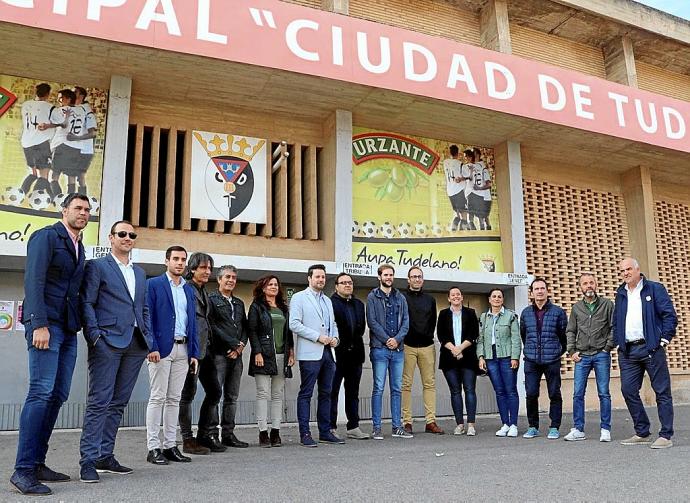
{"x": 369, "y": 229}
{"x": 13, "y": 196}
{"x": 421, "y": 230}
{"x": 95, "y": 205}
{"x": 404, "y": 230}
{"x": 387, "y": 230}
{"x": 58, "y": 200}
{"x": 355, "y": 228}
{"x": 437, "y": 230}
{"x": 39, "y": 199}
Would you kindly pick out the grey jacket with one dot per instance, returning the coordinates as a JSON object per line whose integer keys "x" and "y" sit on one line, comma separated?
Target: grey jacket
{"x": 589, "y": 333}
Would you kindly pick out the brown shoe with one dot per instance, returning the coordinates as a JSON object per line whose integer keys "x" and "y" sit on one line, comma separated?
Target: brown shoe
{"x": 191, "y": 446}
{"x": 433, "y": 428}
{"x": 408, "y": 428}
{"x": 275, "y": 438}
{"x": 263, "y": 439}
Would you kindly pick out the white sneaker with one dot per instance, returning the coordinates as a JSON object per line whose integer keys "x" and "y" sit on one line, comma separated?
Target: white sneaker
{"x": 605, "y": 436}
{"x": 512, "y": 431}
{"x": 503, "y": 431}
{"x": 471, "y": 432}
{"x": 574, "y": 435}
{"x": 459, "y": 430}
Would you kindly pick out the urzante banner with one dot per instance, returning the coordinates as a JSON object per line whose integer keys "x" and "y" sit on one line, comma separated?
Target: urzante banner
{"x": 228, "y": 177}
{"x": 424, "y": 202}
{"x": 290, "y": 37}
{"x": 51, "y": 144}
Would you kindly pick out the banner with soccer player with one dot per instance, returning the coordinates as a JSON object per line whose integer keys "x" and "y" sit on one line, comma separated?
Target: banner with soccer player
{"x": 52, "y": 137}
{"x": 425, "y": 202}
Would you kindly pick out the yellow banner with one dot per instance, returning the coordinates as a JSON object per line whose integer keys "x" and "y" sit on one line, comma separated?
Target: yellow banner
{"x": 50, "y": 144}
{"x": 424, "y": 202}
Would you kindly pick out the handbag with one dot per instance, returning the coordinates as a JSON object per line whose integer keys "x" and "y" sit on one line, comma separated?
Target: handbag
{"x": 287, "y": 371}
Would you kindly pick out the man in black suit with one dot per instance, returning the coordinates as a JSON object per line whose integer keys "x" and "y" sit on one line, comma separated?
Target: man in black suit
{"x": 349, "y": 317}
{"x": 118, "y": 334}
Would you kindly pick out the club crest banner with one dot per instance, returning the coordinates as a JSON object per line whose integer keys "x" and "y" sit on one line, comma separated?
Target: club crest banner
{"x": 228, "y": 177}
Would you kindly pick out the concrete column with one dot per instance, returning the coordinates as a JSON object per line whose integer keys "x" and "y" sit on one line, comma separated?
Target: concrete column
{"x": 494, "y": 26}
{"x": 337, "y": 6}
{"x": 115, "y": 155}
{"x": 639, "y": 207}
{"x": 619, "y": 61}
{"x": 342, "y": 138}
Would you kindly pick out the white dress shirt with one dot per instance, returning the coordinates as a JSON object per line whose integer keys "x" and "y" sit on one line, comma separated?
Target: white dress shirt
{"x": 127, "y": 271}
{"x": 634, "y": 330}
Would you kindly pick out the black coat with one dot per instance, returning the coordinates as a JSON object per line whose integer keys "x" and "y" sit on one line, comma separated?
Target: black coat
{"x": 350, "y": 330}
{"x": 470, "y": 332}
{"x": 228, "y": 323}
{"x": 260, "y": 328}
{"x": 203, "y": 310}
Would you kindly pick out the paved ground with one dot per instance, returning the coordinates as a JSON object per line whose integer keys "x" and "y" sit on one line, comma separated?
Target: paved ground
{"x": 426, "y": 468}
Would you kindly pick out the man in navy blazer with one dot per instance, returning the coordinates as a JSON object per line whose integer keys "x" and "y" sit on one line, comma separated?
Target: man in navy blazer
{"x": 174, "y": 352}
{"x": 117, "y": 330}
{"x": 53, "y": 276}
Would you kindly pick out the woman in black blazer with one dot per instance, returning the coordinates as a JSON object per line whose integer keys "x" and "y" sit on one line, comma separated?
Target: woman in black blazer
{"x": 457, "y": 331}
{"x": 272, "y": 355}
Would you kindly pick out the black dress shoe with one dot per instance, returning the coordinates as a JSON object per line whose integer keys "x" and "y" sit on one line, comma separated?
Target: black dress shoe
{"x": 156, "y": 457}
{"x": 232, "y": 441}
{"x": 174, "y": 454}
{"x": 211, "y": 443}
{"x": 45, "y": 474}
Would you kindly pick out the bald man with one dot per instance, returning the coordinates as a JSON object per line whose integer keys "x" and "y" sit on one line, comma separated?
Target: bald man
{"x": 644, "y": 322}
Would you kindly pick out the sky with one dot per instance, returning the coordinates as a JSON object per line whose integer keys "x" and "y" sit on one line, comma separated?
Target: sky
{"x": 680, "y": 8}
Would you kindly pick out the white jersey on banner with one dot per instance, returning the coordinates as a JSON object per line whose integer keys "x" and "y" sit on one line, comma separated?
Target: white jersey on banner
{"x": 481, "y": 175}
{"x": 453, "y": 170}
{"x": 35, "y": 112}
{"x": 75, "y": 125}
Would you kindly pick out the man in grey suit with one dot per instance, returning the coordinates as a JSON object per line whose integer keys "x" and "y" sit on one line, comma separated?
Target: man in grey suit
{"x": 118, "y": 334}
{"x": 313, "y": 323}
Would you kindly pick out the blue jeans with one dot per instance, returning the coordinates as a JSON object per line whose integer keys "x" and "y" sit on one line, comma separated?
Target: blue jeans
{"x": 384, "y": 361}
{"x": 533, "y": 373}
{"x": 504, "y": 381}
{"x": 601, "y": 363}
{"x": 113, "y": 373}
{"x": 633, "y": 363}
{"x": 312, "y": 371}
{"x": 457, "y": 379}
{"x": 50, "y": 378}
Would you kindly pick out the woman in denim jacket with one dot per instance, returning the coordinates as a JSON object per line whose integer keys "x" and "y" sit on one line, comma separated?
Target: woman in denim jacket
{"x": 498, "y": 350}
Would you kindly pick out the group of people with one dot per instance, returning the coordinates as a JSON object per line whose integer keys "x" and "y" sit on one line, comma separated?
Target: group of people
{"x": 58, "y": 139}
{"x": 186, "y": 334}
{"x": 468, "y": 185}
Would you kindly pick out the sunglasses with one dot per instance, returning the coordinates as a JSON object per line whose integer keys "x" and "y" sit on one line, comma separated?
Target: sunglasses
{"x": 124, "y": 234}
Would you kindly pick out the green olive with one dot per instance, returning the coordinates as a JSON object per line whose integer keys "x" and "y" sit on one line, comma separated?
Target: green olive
{"x": 395, "y": 193}
{"x": 398, "y": 176}
{"x": 412, "y": 177}
{"x": 378, "y": 177}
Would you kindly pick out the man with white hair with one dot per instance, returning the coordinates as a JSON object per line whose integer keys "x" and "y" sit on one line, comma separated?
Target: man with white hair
{"x": 644, "y": 322}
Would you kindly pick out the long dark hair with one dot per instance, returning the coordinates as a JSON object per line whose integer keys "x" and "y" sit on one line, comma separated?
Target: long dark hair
{"x": 260, "y": 296}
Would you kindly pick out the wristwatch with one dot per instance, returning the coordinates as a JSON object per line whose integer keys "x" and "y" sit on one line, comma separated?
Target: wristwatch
{"x": 663, "y": 344}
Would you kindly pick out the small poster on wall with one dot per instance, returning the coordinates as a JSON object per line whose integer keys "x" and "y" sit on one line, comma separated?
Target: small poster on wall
{"x": 6, "y": 315}
{"x": 228, "y": 177}
{"x": 18, "y": 325}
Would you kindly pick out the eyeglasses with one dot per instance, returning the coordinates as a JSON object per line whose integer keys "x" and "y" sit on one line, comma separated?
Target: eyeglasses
{"x": 349, "y": 283}
{"x": 416, "y": 276}
{"x": 124, "y": 234}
